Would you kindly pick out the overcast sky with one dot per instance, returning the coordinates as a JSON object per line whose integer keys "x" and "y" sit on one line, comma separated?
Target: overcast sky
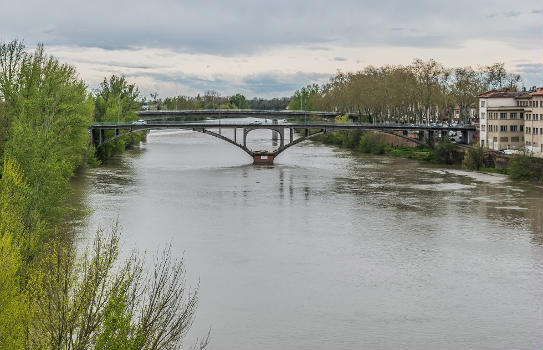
{"x": 272, "y": 48}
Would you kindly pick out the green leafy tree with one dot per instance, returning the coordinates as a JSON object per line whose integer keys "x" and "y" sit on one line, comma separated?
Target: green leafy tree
{"x": 239, "y": 101}
{"x": 117, "y": 101}
{"x": 474, "y": 159}
{"x": 49, "y": 112}
{"x": 524, "y": 167}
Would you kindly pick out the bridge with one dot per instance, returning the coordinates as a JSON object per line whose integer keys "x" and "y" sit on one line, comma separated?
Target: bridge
{"x": 239, "y": 113}
{"x": 287, "y": 133}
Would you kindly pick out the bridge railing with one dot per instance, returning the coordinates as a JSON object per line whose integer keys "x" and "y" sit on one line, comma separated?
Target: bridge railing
{"x": 216, "y": 123}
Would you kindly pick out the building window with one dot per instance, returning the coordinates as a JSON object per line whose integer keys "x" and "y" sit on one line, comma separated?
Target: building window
{"x": 503, "y": 127}
{"x": 495, "y": 139}
{"x": 503, "y": 115}
{"x": 483, "y": 128}
{"x": 512, "y": 128}
{"x": 513, "y": 115}
{"x": 482, "y": 103}
{"x": 528, "y": 143}
{"x": 535, "y": 131}
{"x": 541, "y": 131}
{"x": 528, "y": 130}
{"x": 514, "y": 139}
{"x": 482, "y": 115}
{"x": 521, "y": 115}
{"x": 504, "y": 139}
{"x": 535, "y": 116}
{"x": 528, "y": 116}
{"x": 521, "y": 128}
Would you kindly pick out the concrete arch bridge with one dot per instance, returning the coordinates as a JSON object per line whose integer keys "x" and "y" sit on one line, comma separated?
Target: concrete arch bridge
{"x": 283, "y": 132}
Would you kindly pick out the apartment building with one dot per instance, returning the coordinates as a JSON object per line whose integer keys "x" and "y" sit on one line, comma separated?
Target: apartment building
{"x": 512, "y": 120}
{"x": 533, "y": 123}
{"x": 501, "y": 119}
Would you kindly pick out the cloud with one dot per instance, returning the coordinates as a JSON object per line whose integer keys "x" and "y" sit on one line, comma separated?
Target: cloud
{"x": 531, "y": 73}
{"x": 340, "y": 59}
{"x": 511, "y": 14}
{"x": 265, "y": 84}
{"x": 242, "y": 26}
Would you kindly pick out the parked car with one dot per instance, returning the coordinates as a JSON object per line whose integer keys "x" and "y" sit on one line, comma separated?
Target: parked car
{"x": 139, "y": 122}
{"x": 256, "y": 122}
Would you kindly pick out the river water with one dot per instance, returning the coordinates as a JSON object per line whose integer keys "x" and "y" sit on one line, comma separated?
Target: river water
{"x": 327, "y": 249}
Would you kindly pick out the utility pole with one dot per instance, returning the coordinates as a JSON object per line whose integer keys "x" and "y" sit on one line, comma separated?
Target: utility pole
{"x": 118, "y": 101}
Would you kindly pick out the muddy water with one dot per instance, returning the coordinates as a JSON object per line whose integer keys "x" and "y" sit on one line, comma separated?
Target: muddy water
{"x": 327, "y": 249}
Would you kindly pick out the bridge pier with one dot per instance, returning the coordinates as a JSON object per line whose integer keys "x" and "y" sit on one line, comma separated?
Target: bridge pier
{"x": 263, "y": 158}
{"x": 291, "y": 132}
{"x": 467, "y": 137}
{"x": 274, "y": 133}
{"x": 421, "y": 135}
{"x": 431, "y": 140}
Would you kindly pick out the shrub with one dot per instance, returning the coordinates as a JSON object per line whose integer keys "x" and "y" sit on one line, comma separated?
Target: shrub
{"x": 474, "y": 159}
{"x": 524, "y": 167}
{"x": 444, "y": 152}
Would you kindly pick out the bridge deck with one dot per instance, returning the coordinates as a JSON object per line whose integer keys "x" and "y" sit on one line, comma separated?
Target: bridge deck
{"x": 231, "y": 125}
{"x": 232, "y": 113}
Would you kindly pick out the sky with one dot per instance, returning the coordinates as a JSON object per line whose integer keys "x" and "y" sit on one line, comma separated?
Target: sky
{"x": 271, "y": 48}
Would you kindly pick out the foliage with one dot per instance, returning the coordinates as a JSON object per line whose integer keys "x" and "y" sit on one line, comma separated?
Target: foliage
{"x": 524, "y": 167}
{"x": 371, "y": 143}
{"x": 12, "y": 301}
{"x": 117, "y": 101}
{"x": 239, "y": 101}
{"x": 423, "y": 91}
{"x": 445, "y": 151}
{"x": 304, "y": 98}
{"x": 48, "y": 111}
{"x": 474, "y": 159}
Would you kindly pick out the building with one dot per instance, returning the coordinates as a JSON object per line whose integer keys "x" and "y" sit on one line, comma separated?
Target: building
{"x": 501, "y": 120}
{"x": 512, "y": 120}
{"x": 533, "y": 123}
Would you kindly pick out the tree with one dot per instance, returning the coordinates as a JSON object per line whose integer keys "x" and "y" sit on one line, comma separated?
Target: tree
{"x": 117, "y": 100}
{"x": 101, "y": 303}
{"x": 49, "y": 111}
{"x": 303, "y": 99}
{"x": 474, "y": 159}
{"x": 467, "y": 85}
{"x": 239, "y": 101}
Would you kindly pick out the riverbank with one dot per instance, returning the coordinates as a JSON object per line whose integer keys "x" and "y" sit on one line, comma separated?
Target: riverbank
{"x": 521, "y": 166}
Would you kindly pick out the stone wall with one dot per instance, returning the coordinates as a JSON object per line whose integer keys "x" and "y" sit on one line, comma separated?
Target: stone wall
{"x": 398, "y": 141}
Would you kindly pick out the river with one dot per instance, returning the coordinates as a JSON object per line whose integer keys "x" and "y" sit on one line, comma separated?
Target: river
{"x": 327, "y": 249}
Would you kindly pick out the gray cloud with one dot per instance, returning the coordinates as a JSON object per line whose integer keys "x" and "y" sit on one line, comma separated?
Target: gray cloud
{"x": 244, "y": 26}
{"x": 531, "y": 73}
{"x": 266, "y": 84}
{"x": 340, "y": 59}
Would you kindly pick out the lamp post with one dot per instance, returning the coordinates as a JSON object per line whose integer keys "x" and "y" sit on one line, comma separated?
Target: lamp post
{"x": 118, "y": 101}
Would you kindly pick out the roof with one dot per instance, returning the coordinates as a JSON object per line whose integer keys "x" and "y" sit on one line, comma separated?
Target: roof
{"x": 510, "y": 94}
{"x": 537, "y": 93}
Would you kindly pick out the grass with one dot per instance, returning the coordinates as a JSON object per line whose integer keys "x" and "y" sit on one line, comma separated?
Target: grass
{"x": 494, "y": 170}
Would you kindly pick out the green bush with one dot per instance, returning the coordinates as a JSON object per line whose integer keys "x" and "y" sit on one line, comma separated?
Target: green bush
{"x": 370, "y": 143}
{"x": 444, "y": 152}
{"x": 474, "y": 159}
{"x": 524, "y": 167}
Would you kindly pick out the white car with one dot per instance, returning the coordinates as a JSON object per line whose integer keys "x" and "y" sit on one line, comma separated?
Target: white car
{"x": 139, "y": 122}
{"x": 256, "y": 122}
